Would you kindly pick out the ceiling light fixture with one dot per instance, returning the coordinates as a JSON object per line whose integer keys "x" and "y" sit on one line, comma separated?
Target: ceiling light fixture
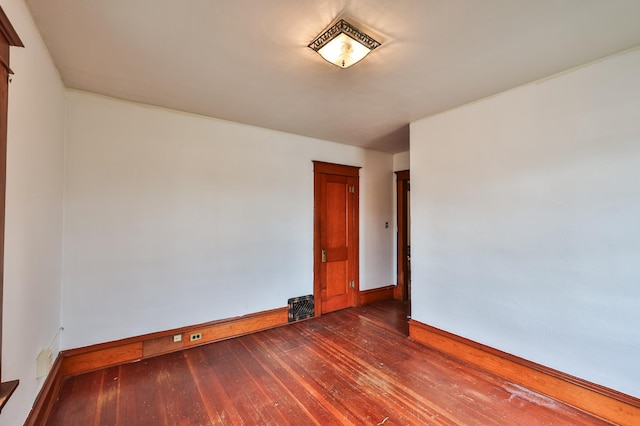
{"x": 343, "y": 44}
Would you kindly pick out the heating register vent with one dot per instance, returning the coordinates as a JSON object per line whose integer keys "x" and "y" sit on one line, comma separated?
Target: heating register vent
{"x": 301, "y": 308}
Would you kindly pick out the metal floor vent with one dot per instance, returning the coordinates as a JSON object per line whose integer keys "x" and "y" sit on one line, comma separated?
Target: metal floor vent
{"x": 301, "y": 308}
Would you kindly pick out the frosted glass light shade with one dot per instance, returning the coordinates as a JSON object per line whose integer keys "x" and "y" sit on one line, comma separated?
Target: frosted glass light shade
{"x": 343, "y": 51}
{"x": 343, "y": 44}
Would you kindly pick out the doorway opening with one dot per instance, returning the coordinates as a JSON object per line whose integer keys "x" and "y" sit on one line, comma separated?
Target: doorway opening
{"x": 403, "y": 289}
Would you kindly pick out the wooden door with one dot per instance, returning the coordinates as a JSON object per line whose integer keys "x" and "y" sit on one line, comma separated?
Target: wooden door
{"x": 336, "y": 237}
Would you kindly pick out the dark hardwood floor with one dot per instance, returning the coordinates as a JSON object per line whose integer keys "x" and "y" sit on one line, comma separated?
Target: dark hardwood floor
{"x": 354, "y": 366}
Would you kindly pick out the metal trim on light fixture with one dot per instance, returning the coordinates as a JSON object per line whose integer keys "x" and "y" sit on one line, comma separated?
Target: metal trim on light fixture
{"x": 346, "y": 54}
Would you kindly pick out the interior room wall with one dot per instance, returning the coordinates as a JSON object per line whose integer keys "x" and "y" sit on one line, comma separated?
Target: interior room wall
{"x": 525, "y": 212}
{"x": 173, "y": 219}
{"x": 33, "y": 239}
{"x": 377, "y": 250}
{"x": 401, "y": 161}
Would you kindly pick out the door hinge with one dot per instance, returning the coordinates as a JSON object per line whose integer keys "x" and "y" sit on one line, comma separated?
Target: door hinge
{"x": 352, "y": 284}
{"x": 324, "y": 256}
{"x": 352, "y": 189}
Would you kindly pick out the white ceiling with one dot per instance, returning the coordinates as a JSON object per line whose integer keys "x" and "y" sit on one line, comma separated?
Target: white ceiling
{"x": 247, "y": 60}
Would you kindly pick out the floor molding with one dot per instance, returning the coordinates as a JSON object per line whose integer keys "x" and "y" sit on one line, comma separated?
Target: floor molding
{"x": 603, "y": 402}
{"x": 47, "y": 395}
{"x": 376, "y": 295}
{"x": 95, "y": 357}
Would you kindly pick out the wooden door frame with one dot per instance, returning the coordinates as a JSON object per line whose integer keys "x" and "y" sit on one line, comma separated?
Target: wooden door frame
{"x": 401, "y": 291}
{"x": 320, "y": 167}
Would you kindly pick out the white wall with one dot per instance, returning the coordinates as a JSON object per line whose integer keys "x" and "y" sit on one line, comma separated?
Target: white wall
{"x": 33, "y": 243}
{"x": 174, "y": 219}
{"x": 526, "y": 222}
{"x": 377, "y": 249}
{"x": 401, "y": 161}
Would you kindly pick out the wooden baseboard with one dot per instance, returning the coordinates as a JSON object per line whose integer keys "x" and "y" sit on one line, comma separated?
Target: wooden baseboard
{"x": 95, "y": 357}
{"x": 376, "y": 295}
{"x": 603, "y": 402}
{"x": 216, "y": 331}
{"x": 47, "y": 395}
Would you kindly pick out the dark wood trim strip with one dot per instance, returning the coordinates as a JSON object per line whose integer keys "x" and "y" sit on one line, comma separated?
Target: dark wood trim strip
{"x": 6, "y": 390}
{"x": 601, "y": 401}
{"x": 95, "y": 360}
{"x": 219, "y": 331}
{"x": 335, "y": 169}
{"x": 95, "y": 357}
{"x": 376, "y": 295}
{"x": 8, "y": 37}
{"x": 7, "y": 30}
{"x": 47, "y": 395}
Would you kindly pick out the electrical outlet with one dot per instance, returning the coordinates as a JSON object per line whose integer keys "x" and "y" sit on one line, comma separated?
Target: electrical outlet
{"x": 195, "y": 336}
{"x": 177, "y": 338}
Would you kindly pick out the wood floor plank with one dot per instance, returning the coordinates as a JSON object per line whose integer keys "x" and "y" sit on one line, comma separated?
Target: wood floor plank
{"x": 178, "y": 392}
{"x": 218, "y": 403}
{"x": 309, "y": 368}
{"x": 298, "y": 381}
{"x": 82, "y": 393}
{"x": 354, "y": 366}
{"x": 481, "y": 396}
{"x": 140, "y": 395}
{"x": 107, "y": 405}
{"x": 243, "y": 392}
{"x": 371, "y": 373}
{"x": 294, "y": 407}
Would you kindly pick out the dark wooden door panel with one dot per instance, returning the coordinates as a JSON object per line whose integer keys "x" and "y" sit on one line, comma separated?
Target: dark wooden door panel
{"x": 335, "y": 243}
{"x": 335, "y": 218}
{"x": 337, "y": 254}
